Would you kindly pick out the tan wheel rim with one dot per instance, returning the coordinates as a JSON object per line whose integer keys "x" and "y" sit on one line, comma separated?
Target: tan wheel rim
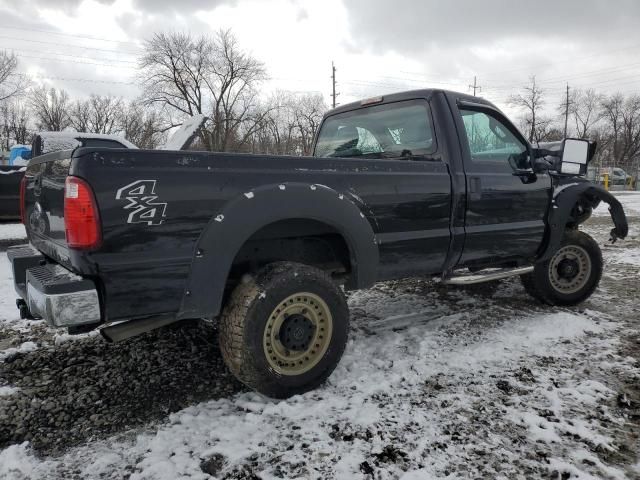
{"x": 570, "y": 269}
{"x": 297, "y": 334}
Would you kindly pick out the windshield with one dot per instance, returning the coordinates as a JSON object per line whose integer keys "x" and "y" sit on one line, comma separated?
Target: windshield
{"x": 401, "y": 129}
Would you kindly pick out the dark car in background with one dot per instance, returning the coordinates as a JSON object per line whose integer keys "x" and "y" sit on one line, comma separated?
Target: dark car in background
{"x": 10, "y": 177}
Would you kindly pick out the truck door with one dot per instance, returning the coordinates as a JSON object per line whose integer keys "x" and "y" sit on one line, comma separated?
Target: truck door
{"x": 505, "y": 213}
{"x": 389, "y": 158}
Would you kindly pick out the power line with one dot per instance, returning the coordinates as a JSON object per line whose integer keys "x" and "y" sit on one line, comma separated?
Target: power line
{"x": 83, "y": 80}
{"x": 67, "y": 45}
{"x": 567, "y": 60}
{"x": 556, "y": 80}
{"x": 65, "y": 60}
{"x": 51, "y": 32}
{"x": 73, "y": 56}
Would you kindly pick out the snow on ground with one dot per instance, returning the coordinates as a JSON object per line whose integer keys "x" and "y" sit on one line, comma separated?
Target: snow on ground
{"x": 630, "y": 200}
{"x": 435, "y": 383}
{"x": 12, "y": 231}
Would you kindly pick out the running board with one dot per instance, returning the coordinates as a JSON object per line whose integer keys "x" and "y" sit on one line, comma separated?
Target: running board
{"x": 119, "y": 331}
{"x": 486, "y": 275}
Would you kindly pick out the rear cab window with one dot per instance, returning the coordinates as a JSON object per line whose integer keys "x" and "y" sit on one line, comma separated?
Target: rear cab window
{"x": 394, "y": 130}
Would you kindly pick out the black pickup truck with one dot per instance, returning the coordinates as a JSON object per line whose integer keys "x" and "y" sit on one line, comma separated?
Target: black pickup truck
{"x": 422, "y": 183}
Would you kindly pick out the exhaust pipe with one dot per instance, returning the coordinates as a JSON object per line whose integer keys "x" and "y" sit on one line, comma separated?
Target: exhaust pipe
{"x": 117, "y": 332}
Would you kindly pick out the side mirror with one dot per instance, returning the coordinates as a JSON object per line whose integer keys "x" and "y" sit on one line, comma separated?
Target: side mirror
{"x": 575, "y": 156}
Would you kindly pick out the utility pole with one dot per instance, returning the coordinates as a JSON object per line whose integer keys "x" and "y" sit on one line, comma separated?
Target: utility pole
{"x": 333, "y": 80}
{"x": 566, "y": 112}
{"x": 475, "y": 86}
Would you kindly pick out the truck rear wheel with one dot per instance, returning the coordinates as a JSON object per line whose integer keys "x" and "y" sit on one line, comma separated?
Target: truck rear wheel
{"x": 283, "y": 331}
{"x": 571, "y": 275}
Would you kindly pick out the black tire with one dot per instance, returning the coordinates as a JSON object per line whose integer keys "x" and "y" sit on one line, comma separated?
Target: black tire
{"x": 545, "y": 282}
{"x": 244, "y": 328}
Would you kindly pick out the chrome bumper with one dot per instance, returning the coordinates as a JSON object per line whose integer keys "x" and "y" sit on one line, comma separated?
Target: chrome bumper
{"x": 52, "y": 292}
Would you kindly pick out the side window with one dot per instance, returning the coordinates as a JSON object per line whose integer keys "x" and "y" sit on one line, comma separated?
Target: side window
{"x": 394, "y": 130}
{"x": 492, "y": 141}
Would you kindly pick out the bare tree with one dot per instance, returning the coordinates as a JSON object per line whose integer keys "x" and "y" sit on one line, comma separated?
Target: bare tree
{"x": 106, "y": 112}
{"x": 308, "y": 113}
{"x": 232, "y": 83}
{"x": 12, "y": 83}
{"x": 173, "y": 71}
{"x": 80, "y": 113}
{"x": 289, "y": 124}
{"x": 15, "y": 118}
{"x": 622, "y": 117}
{"x": 97, "y": 114}
{"x": 277, "y": 132}
{"x": 145, "y": 127}
{"x": 584, "y": 108}
{"x": 20, "y": 123}
{"x": 210, "y": 76}
{"x": 51, "y": 108}
{"x": 531, "y": 100}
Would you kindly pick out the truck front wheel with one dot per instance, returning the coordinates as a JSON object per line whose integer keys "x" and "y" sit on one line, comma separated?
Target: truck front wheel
{"x": 571, "y": 275}
{"x": 283, "y": 331}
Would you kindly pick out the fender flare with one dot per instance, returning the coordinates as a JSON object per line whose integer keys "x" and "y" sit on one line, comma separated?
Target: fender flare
{"x": 564, "y": 198}
{"x": 240, "y": 218}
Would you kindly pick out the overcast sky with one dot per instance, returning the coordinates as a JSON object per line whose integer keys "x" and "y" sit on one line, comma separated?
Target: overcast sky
{"x": 378, "y": 46}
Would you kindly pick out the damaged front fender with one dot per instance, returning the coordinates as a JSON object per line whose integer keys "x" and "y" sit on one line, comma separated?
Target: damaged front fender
{"x": 567, "y": 196}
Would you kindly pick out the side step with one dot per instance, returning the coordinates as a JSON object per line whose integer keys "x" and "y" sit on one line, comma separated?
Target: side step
{"x": 119, "y": 331}
{"x": 486, "y": 275}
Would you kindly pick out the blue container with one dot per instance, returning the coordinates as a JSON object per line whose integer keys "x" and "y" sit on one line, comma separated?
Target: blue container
{"x": 19, "y": 155}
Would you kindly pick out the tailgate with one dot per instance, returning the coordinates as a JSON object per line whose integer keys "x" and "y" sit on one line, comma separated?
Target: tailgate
{"x": 44, "y": 204}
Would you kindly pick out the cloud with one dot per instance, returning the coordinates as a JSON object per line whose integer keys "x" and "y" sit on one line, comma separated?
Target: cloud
{"x": 410, "y": 26}
{"x": 302, "y": 15}
{"x": 145, "y": 6}
{"x": 65, "y": 5}
{"x": 184, "y": 6}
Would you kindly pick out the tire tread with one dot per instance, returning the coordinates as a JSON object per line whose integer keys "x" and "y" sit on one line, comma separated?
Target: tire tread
{"x": 233, "y": 339}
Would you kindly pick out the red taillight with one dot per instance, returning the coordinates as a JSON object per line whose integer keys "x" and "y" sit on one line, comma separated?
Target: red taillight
{"x": 23, "y": 189}
{"x": 81, "y": 220}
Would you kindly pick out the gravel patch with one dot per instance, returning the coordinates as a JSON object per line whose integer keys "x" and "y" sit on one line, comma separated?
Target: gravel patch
{"x": 87, "y": 389}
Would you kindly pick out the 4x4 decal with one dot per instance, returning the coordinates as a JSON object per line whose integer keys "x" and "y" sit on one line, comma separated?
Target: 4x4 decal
{"x": 142, "y": 197}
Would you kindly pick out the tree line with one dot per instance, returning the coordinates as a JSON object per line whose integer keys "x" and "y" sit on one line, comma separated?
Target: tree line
{"x": 613, "y": 120}
{"x": 180, "y": 76}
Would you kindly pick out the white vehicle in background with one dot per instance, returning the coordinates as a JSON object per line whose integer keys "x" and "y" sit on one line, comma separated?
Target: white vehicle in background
{"x": 617, "y": 176}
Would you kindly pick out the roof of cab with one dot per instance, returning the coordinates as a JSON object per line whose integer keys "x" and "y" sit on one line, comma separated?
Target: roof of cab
{"x": 408, "y": 95}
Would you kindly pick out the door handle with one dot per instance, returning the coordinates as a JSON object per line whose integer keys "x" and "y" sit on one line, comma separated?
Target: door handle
{"x": 527, "y": 176}
{"x": 475, "y": 188}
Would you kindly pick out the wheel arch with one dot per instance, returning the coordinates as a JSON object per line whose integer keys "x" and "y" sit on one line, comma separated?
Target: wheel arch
{"x": 230, "y": 229}
{"x": 569, "y": 195}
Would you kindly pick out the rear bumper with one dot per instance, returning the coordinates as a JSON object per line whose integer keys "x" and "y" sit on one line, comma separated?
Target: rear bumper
{"x": 52, "y": 292}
